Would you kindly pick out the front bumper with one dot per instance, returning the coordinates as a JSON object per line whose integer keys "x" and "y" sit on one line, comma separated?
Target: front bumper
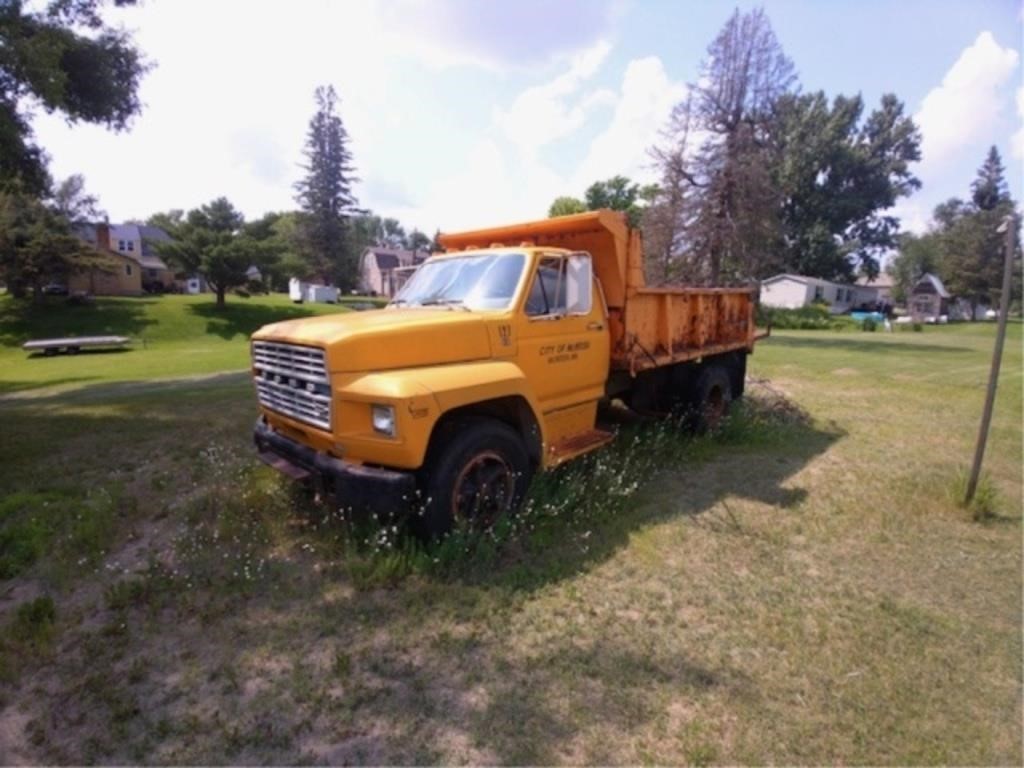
{"x": 356, "y": 487}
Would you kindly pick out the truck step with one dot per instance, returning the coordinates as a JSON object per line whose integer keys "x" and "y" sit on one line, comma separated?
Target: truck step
{"x": 579, "y": 444}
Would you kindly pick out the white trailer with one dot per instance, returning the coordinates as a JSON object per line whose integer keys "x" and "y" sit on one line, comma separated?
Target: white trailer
{"x": 299, "y": 292}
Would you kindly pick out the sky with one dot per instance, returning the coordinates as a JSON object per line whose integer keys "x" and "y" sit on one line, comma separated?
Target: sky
{"x": 470, "y": 113}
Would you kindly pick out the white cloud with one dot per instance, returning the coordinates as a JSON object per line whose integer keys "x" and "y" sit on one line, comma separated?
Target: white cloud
{"x": 501, "y": 181}
{"x": 1017, "y": 142}
{"x": 913, "y": 214}
{"x": 543, "y": 113}
{"x": 642, "y": 109}
{"x": 970, "y": 99}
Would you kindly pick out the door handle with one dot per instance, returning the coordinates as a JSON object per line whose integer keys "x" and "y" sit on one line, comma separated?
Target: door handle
{"x": 595, "y": 326}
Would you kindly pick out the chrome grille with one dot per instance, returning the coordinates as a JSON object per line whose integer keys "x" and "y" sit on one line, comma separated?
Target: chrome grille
{"x": 292, "y": 379}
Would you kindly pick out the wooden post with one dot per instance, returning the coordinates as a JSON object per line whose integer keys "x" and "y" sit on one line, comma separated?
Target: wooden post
{"x": 1010, "y": 224}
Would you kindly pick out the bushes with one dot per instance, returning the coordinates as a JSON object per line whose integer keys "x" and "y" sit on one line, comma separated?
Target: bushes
{"x": 812, "y": 318}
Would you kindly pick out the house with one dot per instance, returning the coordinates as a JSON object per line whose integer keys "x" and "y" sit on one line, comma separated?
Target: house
{"x": 795, "y": 291}
{"x": 133, "y": 248}
{"x": 114, "y": 273}
{"x": 928, "y": 300}
{"x": 882, "y": 285}
{"x": 383, "y": 271}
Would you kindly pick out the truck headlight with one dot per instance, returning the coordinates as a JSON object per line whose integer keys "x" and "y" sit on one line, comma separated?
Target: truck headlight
{"x": 383, "y": 419}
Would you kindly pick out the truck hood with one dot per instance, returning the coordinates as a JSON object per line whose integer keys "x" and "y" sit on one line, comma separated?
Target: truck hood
{"x": 384, "y": 339}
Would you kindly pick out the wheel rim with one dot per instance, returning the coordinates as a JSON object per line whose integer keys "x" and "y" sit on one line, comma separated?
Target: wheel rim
{"x": 483, "y": 490}
{"x": 714, "y": 408}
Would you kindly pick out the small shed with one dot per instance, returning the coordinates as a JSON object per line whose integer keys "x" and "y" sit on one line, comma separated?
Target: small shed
{"x": 929, "y": 299}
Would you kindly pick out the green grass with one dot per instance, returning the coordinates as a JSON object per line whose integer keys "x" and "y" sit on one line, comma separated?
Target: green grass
{"x": 172, "y": 335}
{"x": 803, "y": 588}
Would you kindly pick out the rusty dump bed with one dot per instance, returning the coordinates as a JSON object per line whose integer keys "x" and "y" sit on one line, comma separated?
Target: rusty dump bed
{"x": 650, "y": 327}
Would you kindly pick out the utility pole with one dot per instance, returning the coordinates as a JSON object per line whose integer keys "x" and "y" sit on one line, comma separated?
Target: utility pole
{"x": 1009, "y": 226}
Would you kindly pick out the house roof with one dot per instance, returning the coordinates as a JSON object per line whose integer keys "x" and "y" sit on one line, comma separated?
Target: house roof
{"x": 151, "y": 237}
{"x": 935, "y": 282}
{"x": 393, "y": 258}
{"x": 882, "y": 280}
{"x": 147, "y": 259}
{"x": 804, "y": 279}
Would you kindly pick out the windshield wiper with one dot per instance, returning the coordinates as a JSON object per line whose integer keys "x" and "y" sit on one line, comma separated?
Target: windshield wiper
{"x": 450, "y": 303}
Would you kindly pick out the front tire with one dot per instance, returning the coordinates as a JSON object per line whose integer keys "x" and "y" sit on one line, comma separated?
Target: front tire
{"x": 476, "y": 473}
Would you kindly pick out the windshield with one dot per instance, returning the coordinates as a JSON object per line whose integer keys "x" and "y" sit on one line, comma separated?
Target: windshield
{"x": 474, "y": 281}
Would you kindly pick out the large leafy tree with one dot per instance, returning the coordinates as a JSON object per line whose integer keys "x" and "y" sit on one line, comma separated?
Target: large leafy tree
{"x": 619, "y": 193}
{"x": 37, "y": 242}
{"x": 565, "y": 206}
{"x": 837, "y": 173}
{"x": 63, "y": 57}
{"x": 211, "y": 241}
{"x": 326, "y": 197}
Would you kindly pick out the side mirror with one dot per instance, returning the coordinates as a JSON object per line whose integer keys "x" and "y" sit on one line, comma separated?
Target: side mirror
{"x": 579, "y": 284}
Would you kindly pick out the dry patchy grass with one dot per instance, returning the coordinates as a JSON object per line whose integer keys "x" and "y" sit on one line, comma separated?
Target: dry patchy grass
{"x": 800, "y": 589}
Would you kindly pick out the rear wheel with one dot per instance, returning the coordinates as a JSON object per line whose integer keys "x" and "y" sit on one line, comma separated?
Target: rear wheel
{"x": 477, "y": 472}
{"x": 712, "y": 398}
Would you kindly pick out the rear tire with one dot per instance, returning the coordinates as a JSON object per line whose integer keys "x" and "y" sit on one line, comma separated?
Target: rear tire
{"x": 476, "y": 472}
{"x": 712, "y": 398}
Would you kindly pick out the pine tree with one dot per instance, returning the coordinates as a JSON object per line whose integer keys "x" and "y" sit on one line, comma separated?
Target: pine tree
{"x": 989, "y": 189}
{"x": 325, "y": 195}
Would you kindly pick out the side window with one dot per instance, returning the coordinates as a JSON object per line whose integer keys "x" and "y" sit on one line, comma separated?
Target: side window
{"x": 127, "y": 269}
{"x": 547, "y": 294}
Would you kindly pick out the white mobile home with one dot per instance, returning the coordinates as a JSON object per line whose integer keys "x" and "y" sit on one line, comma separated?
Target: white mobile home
{"x": 795, "y": 291}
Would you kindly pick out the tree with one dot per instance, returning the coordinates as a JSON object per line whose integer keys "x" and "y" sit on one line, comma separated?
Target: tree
{"x": 37, "y": 245}
{"x": 918, "y": 254}
{"x": 617, "y": 193}
{"x": 326, "y": 197}
{"x": 73, "y": 203}
{"x": 989, "y": 190}
{"x": 745, "y": 73}
{"x": 212, "y": 242}
{"x": 837, "y": 174}
{"x": 971, "y": 249}
{"x": 669, "y": 207}
{"x": 565, "y": 206}
{"x": 417, "y": 241}
{"x": 64, "y": 58}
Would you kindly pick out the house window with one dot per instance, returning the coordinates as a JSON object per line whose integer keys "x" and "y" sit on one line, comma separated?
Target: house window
{"x": 128, "y": 269}
{"x": 131, "y": 245}
{"x": 819, "y": 293}
{"x": 120, "y": 245}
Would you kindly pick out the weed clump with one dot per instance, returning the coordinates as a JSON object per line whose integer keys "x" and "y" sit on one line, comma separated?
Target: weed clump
{"x": 984, "y": 506}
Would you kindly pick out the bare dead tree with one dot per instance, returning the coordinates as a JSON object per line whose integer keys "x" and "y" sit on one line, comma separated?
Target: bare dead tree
{"x": 730, "y": 207}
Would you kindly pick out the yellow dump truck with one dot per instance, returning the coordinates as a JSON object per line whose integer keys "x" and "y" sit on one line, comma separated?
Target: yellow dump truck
{"x": 489, "y": 365}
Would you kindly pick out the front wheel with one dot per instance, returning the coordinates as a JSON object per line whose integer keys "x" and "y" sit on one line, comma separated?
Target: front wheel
{"x": 477, "y": 472}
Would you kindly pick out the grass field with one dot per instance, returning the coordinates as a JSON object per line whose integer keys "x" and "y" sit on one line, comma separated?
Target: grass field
{"x": 172, "y": 336}
{"x": 803, "y": 588}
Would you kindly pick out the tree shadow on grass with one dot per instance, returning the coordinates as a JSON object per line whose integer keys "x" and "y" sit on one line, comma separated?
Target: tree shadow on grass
{"x": 241, "y": 319}
{"x": 22, "y": 320}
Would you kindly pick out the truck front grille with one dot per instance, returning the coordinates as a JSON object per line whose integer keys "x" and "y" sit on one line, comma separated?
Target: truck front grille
{"x": 292, "y": 380}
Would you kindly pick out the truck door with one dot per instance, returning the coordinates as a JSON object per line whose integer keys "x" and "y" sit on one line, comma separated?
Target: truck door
{"x": 564, "y": 338}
